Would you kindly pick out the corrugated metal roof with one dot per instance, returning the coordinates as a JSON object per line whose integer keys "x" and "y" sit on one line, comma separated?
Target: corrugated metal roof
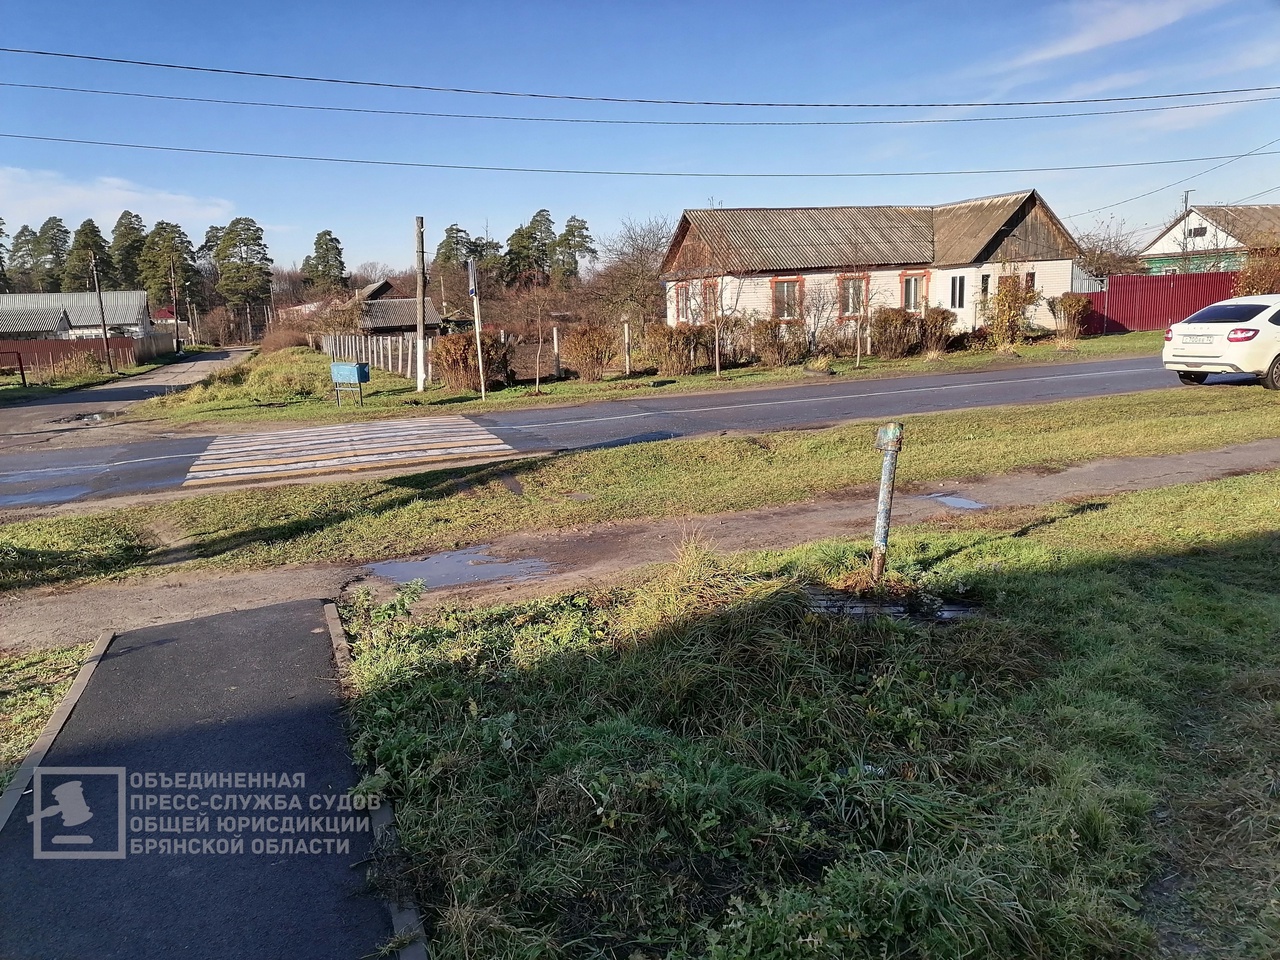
{"x": 1252, "y": 224}
{"x": 816, "y": 238}
{"x": 396, "y": 314}
{"x": 123, "y": 308}
{"x": 962, "y": 230}
{"x": 19, "y": 320}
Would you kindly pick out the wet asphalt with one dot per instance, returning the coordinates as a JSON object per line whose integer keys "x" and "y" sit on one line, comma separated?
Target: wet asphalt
{"x": 52, "y": 476}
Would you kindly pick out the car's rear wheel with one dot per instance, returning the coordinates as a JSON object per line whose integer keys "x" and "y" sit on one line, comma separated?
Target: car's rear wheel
{"x": 1192, "y": 378}
{"x": 1271, "y": 379}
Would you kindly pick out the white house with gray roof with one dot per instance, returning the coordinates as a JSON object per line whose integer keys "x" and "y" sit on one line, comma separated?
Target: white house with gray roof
{"x": 1212, "y": 238}
{"x": 126, "y": 313}
{"x": 828, "y": 264}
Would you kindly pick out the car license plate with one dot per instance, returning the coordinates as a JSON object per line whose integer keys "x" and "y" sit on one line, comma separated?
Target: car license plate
{"x": 1197, "y": 339}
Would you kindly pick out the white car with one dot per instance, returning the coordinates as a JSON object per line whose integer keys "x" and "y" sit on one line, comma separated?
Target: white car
{"x": 1241, "y": 335}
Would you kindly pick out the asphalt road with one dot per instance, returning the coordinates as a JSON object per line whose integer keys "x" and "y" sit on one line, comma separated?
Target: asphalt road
{"x": 56, "y": 476}
{"x": 228, "y": 698}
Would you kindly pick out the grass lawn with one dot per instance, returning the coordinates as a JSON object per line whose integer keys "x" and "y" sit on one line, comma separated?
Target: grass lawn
{"x": 700, "y": 766}
{"x": 443, "y": 509}
{"x": 294, "y": 384}
{"x": 31, "y": 687}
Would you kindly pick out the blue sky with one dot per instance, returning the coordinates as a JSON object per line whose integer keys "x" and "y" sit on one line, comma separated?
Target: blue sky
{"x": 803, "y": 51}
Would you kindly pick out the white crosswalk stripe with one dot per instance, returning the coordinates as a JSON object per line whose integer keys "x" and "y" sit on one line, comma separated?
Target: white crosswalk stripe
{"x": 347, "y": 446}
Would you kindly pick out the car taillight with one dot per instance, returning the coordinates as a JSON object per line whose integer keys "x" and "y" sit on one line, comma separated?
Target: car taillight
{"x": 1168, "y": 334}
{"x": 1241, "y": 334}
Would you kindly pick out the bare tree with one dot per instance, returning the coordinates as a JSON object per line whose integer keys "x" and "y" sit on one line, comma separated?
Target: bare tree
{"x": 1109, "y": 249}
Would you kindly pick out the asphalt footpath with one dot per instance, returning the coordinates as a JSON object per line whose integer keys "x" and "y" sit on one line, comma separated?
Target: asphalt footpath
{"x": 196, "y": 804}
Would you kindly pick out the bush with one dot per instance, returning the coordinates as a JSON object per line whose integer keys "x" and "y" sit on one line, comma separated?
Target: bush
{"x": 1005, "y": 312}
{"x": 589, "y": 348}
{"x": 936, "y": 326}
{"x": 895, "y": 332}
{"x": 282, "y": 340}
{"x": 1069, "y": 311}
{"x": 454, "y": 359}
{"x": 1261, "y": 271}
{"x": 780, "y": 343}
{"x": 672, "y": 348}
{"x": 839, "y": 339}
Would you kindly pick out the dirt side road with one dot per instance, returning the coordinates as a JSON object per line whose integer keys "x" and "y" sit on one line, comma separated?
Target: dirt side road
{"x": 603, "y": 553}
{"x": 80, "y": 417}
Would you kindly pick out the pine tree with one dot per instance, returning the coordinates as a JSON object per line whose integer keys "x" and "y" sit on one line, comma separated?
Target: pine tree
{"x": 167, "y": 256}
{"x": 77, "y": 272}
{"x": 52, "y": 242}
{"x": 5, "y": 285}
{"x": 572, "y": 246}
{"x": 454, "y": 248}
{"x": 127, "y": 238}
{"x": 527, "y": 262}
{"x": 22, "y": 260}
{"x": 324, "y": 268}
{"x": 244, "y": 266}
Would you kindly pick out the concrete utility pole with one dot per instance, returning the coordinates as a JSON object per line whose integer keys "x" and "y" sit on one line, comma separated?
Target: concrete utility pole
{"x": 889, "y": 442}
{"x": 1186, "y": 210}
{"x": 422, "y": 307}
{"x": 102, "y": 311}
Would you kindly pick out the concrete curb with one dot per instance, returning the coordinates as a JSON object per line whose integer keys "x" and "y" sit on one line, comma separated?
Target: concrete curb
{"x": 35, "y": 756}
{"x": 406, "y": 921}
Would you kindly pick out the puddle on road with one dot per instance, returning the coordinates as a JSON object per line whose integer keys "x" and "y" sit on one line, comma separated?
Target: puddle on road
{"x": 956, "y": 502}
{"x": 459, "y": 567}
{"x": 42, "y": 497}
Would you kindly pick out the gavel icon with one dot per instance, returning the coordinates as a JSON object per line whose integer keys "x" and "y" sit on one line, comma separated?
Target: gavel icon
{"x": 71, "y": 805}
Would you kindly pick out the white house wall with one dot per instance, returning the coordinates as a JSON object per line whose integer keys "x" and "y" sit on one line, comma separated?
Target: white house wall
{"x": 1171, "y": 243}
{"x": 744, "y": 296}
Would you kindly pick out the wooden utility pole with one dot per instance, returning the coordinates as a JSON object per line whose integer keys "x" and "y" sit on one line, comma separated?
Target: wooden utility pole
{"x": 474, "y": 282}
{"x": 173, "y": 285}
{"x": 422, "y": 308}
{"x": 102, "y": 311}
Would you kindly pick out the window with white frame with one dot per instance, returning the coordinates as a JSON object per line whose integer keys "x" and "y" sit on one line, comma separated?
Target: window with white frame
{"x": 682, "y": 303}
{"x": 852, "y": 296}
{"x": 957, "y": 293}
{"x": 786, "y": 299}
{"x": 912, "y": 290}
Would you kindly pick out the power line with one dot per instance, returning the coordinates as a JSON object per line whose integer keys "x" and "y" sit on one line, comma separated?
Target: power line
{"x": 635, "y": 100}
{"x": 1255, "y": 196}
{"x": 1256, "y": 152}
{"x": 625, "y": 173}
{"x": 650, "y": 123}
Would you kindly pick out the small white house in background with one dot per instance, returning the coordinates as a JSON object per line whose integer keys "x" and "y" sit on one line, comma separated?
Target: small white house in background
{"x": 125, "y": 310}
{"x": 826, "y": 264}
{"x": 1213, "y": 238}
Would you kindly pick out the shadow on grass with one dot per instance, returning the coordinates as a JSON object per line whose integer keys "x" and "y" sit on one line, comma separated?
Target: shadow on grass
{"x": 612, "y": 774}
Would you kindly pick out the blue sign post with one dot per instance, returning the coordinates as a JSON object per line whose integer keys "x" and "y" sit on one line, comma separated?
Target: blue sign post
{"x": 349, "y": 376}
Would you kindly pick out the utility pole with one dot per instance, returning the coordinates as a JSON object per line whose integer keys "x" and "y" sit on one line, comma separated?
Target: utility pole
{"x": 1186, "y": 210}
{"x": 102, "y": 311}
{"x": 475, "y": 307}
{"x": 173, "y": 285}
{"x": 422, "y": 308}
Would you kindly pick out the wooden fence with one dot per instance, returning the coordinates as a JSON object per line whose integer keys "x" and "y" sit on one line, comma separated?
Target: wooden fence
{"x": 44, "y": 359}
{"x": 1152, "y": 302}
{"x": 394, "y": 354}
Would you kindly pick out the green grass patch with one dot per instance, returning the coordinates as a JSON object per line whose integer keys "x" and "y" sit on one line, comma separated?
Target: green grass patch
{"x": 701, "y": 766}
{"x": 31, "y": 687}
{"x": 294, "y": 384}
{"x": 443, "y": 509}
{"x": 61, "y": 549}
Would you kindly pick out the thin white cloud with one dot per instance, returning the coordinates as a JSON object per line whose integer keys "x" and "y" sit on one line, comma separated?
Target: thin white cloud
{"x": 1094, "y": 24}
{"x": 30, "y": 196}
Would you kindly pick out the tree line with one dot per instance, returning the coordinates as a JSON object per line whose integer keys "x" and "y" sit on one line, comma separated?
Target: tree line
{"x": 232, "y": 266}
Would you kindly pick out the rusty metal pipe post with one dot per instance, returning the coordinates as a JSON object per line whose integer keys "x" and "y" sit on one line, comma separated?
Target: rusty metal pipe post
{"x": 888, "y": 440}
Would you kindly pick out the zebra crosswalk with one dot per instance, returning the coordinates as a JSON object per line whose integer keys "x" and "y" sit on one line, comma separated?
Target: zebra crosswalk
{"x": 348, "y": 446}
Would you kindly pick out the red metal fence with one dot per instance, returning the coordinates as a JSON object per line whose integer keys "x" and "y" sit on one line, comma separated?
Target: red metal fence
{"x": 1152, "y": 302}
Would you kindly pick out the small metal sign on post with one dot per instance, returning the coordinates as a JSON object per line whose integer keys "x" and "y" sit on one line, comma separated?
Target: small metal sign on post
{"x": 350, "y": 377}
{"x": 888, "y": 440}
